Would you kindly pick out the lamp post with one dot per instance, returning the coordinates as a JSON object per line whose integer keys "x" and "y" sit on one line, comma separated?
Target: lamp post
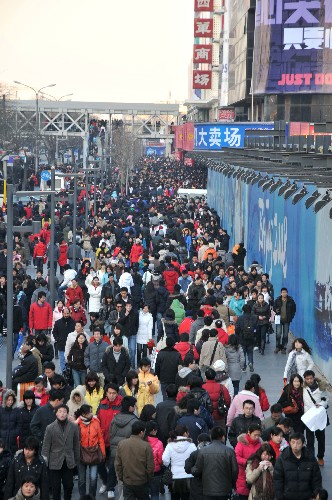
{"x": 37, "y": 115}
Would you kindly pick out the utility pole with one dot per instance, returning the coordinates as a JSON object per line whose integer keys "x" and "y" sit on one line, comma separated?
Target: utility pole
{"x": 52, "y": 242}
{"x": 10, "y": 301}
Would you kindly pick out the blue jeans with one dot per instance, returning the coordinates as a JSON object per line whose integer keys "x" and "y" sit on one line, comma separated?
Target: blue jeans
{"x": 61, "y": 294}
{"x": 15, "y": 340}
{"x": 236, "y": 385}
{"x": 62, "y": 361}
{"x": 132, "y": 350}
{"x": 154, "y": 487}
{"x": 159, "y": 316}
{"x": 112, "y": 479}
{"x": 92, "y": 479}
{"x": 282, "y": 335}
{"x": 79, "y": 377}
{"x": 248, "y": 353}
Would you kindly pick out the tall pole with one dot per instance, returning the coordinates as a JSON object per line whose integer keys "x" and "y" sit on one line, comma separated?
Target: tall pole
{"x": 74, "y": 216}
{"x": 95, "y": 194}
{"x": 37, "y": 132}
{"x": 87, "y": 199}
{"x": 52, "y": 242}
{"x": 10, "y": 290}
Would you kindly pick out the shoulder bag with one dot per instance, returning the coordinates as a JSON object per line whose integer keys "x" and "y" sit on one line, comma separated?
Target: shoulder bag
{"x": 91, "y": 455}
{"x": 162, "y": 342}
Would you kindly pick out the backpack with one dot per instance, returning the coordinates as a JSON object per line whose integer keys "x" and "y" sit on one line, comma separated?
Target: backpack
{"x": 204, "y": 400}
{"x": 248, "y": 331}
{"x": 222, "y": 407}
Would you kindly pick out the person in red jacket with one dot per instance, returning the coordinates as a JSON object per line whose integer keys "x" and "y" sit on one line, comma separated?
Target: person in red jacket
{"x": 222, "y": 335}
{"x": 157, "y": 450}
{"x": 136, "y": 251}
{"x": 214, "y": 389}
{"x": 247, "y": 445}
{"x": 260, "y": 392}
{"x": 45, "y": 233}
{"x": 108, "y": 408}
{"x": 40, "y": 315}
{"x": 77, "y": 312}
{"x": 171, "y": 277}
{"x": 185, "y": 324}
{"x": 184, "y": 346}
{"x": 39, "y": 253}
{"x": 73, "y": 292}
{"x": 63, "y": 258}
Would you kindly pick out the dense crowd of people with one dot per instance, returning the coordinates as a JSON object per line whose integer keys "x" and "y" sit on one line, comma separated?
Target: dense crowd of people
{"x": 151, "y": 300}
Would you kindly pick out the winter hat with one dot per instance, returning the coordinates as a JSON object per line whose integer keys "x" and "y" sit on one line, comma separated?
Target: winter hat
{"x": 219, "y": 366}
{"x": 211, "y": 245}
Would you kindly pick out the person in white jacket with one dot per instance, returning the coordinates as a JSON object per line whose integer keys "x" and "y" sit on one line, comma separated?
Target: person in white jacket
{"x": 222, "y": 376}
{"x": 126, "y": 280}
{"x": 94, "y": 291}
{"x": 144, "y": 332}
{"x": 72, "y": 336}
{"x": 315, "y": 394}
{"x": 299, "y": 359}
{"x": 176, "y": 453}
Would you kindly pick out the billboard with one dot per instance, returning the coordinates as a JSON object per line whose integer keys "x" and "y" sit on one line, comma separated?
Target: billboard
{"x": 215, "y": 136}
{"x": 293, "y": 47}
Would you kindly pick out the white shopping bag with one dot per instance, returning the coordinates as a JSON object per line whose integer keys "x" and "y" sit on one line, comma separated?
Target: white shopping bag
{"x": 315, "y": 418}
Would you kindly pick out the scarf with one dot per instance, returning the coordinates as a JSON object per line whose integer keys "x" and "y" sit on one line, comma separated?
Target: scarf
{"x": 263, "y": 491}
{"x": 85, "y": 421}
{"x": 298, "y": 397}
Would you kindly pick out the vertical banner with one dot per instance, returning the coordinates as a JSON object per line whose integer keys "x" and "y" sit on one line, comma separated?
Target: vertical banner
{"x": 203, "y": 28}
{"x": 202, "y": 79}
{"x": 293, "y": 47}
{"x": 188, "y": 136}
{"x": 203, "y": 5}
{"x": 202, "y": 54}
{"x": 178, "y": 138}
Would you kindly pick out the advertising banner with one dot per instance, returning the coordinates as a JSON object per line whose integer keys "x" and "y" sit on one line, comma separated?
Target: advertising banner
{"x": 178, "y": 137}
{"x": 202, "y": 54}
{"x": 226, "y": 115}
{"x": 203, "y": 5}
{"x": 203, "y": 28}
{"x": 293, "y": 47}
{"x": 202, "y": 79}
{"x": 155, "y": 150}
{"x": 188, "y": 136}
{"x": 215, "y": 136}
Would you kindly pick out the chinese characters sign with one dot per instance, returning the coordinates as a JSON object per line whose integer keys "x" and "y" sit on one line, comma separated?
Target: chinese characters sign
{"x": 203, "y": 28}
{"x": 202, "y": 79}
{"x": 202, "y": 54}
{"x": 216, "y": 136}
{"x": 226, "y": 115}
{"x": 203, "y": 5}
{"x": 293, "y": 46}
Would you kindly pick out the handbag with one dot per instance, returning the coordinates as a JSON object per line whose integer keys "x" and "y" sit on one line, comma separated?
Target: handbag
{"x": 167, "y": 476}
{"x": 292, "y": 408}
{"x": 153, "y": 357}
{"x": 91, "y": 455}
{"x": 162, "y": 342}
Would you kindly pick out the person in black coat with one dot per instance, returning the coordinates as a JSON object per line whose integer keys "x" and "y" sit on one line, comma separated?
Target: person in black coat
{"x": 196, "y": 485}
{"x": 165, "y": 413}
{"x": 27, "y": 463}
{"x": 296, "y": 472}
{"x": 150, "y": 299}
{"x": 26, "y": 413}
{"x": 27, "y": 371}
{"x": 168, "y": 326}
{"x": 9, "y": 421}
{"x": 116, "y": 363}
{"x": 45, "y": 414}
{"x": 167, "y": 364}
{"x": 245, "y": 329}
{"x": 5, "y": 460}
{"x": 62, "y": 328}
{"x": 45, "y": 348}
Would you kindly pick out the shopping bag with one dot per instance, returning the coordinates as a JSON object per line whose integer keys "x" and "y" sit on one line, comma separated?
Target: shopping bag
{"x": 153, "y": 357}
{"x": 315, "y": 418}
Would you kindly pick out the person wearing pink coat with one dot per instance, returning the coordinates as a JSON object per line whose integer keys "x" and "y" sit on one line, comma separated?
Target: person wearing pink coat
{"x": 247, "y": 445}
{"x": 236, "y": 407}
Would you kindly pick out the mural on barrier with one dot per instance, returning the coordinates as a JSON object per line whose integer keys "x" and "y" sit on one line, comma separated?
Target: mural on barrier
{"x": 294, "y": 247}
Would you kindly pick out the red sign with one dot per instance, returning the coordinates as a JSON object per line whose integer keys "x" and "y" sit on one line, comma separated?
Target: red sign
{"x": 202, "y": 79}
{"x": 178, "y": 155}
{"x": 178, "y": 139}
{"x": 202, "y": 54}
{"x": 189, "y": 162}
{"x": 203, "y": 5}
{"x": 188, "y": 136}
{"x": 203, "y": 28}
{"x": 226, "y": 115}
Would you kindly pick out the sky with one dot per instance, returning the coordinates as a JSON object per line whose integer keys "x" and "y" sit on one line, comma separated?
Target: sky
{"x": 101, "y": 50}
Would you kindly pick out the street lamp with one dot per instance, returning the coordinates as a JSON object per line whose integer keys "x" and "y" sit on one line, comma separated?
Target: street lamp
{"x": 37, "y": 115}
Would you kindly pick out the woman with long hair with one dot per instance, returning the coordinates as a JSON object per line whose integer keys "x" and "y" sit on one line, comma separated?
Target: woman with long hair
{"x": 299, "y": 359}
{"x": 76, "y": 359}
{"x": 277, "y": 440}
{"x": 247, "y": 444}
{"x": 259, "y": 473}
{"x": 261, "y": 310}
{"x": 291, "y": 400}
{"x": 260, "y": 392}
{"x": 92, "y": 391}
{"x": 90, "y": 436}
{"x": 179, "y": 448}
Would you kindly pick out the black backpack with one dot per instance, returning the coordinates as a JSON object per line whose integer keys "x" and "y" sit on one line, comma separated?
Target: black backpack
{"x": 204, "y": 400}
{"x": 248, "y": 331}
{"x": 222, "y": 407}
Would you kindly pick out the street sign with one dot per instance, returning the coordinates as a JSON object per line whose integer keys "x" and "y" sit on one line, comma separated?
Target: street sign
{"x": 45, "y": 175}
